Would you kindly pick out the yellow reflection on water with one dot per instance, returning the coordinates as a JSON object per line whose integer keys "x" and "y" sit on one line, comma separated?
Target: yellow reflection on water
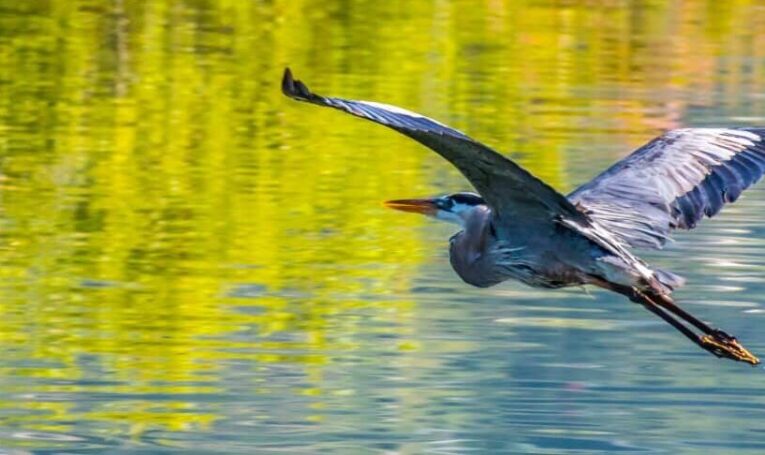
{"x": 166, "y": 212}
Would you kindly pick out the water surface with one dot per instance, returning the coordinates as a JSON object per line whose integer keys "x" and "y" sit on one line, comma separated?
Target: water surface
{"x": 192, "y": 263}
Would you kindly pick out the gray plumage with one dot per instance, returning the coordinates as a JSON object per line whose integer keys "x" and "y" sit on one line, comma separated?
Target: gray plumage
{"x": 509, "y": 190}
{"x": 673, "y": 182}
{"x": 523, "y": 229}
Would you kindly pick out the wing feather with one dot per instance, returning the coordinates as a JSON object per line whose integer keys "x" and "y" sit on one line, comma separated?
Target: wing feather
{"x": 673, "y": 182}
{"x": 512, "y": 192}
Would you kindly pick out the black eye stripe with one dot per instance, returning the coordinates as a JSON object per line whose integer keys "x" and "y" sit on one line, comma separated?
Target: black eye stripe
{"x": 467, "y": 198}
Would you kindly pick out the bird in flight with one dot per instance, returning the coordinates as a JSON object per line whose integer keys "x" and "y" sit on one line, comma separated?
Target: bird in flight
{"x": 518, "y": 227}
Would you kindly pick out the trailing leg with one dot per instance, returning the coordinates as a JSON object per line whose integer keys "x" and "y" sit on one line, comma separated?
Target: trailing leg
{"x": 713, "y": 340}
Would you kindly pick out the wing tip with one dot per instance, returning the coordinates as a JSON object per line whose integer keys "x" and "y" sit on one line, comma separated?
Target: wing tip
{"x": 294, "y": 88}
{"x": 757, "y": 131}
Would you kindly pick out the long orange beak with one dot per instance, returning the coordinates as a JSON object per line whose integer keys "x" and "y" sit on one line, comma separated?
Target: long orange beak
{"x": 423, "y": 206}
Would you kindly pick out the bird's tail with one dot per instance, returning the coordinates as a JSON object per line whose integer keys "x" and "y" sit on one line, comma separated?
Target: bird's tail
{"x": 668, "y": 279}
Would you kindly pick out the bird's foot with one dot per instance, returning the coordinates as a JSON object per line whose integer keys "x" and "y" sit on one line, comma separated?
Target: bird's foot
{"x": 721, "y": 344}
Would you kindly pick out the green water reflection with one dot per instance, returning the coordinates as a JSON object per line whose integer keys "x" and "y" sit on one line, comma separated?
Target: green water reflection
{"x": 174, "y": 233}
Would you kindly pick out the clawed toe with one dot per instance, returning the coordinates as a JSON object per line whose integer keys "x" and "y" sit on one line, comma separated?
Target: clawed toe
{"x": 721, "y": 344}
{"x": 722, "y": 336}
{"x": 715, "y": 341}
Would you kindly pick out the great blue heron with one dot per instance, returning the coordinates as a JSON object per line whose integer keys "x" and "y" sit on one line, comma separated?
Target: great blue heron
{"x": 521, "y": 228}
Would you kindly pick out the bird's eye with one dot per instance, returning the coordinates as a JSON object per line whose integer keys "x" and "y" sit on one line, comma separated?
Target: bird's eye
{"x": 444, "y": 203}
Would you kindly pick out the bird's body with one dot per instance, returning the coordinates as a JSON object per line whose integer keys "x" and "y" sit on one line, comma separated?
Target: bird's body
{"x": 482, "y": 259}
{"x": 520, "y": 228}
{"x": 563, "y": 255}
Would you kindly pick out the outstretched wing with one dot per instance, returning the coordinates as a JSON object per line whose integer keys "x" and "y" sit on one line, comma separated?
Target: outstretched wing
{"x": 511, "y": 192}
{"x": 673, "y": 182}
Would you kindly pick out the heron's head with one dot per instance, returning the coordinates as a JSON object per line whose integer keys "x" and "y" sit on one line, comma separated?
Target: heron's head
{"x": 453, "y": 208}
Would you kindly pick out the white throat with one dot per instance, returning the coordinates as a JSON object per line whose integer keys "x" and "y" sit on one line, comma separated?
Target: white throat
{"x": 458, "y": 214}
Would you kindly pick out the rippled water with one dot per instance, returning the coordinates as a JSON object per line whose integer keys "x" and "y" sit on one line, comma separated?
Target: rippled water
{"x": 190, "y": 262}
